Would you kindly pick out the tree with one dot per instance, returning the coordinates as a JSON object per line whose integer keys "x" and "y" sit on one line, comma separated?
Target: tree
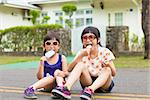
{"x": 34, "y": 14}
{"x": 126, "y": 40}
{"x": 146, "y": 27}
{"x": 45, "y": 19}
{"x": 61, "y": 19}
{"x": 69, "y": 9}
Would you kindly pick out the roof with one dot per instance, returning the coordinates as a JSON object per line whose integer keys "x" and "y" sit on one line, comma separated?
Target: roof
{"x": 54, "y": 1}
{"x": 18, "y": 4}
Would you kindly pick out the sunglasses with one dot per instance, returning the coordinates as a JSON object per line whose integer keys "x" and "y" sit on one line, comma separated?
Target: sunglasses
{"x": 90, "y": 37}
{"x": 49, "y": 43}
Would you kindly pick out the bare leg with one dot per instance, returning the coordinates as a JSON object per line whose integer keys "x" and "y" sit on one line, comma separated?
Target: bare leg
{"x": 103, "y": 80}
{"x": 85, "y": 78}
{"x": 43, "y": 83}
{"x": 75, "y": 74}
{"x": 59, "y": 79}
{"x": 40, "y": 71}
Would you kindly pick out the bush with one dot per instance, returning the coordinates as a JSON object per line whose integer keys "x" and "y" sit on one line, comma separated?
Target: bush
{"x": 30, "y": 38}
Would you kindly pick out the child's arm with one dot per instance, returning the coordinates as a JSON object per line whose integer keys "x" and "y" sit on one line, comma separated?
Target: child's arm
{"x": 64, "y": 63}
{"x": 112, "y": 67}
{"x": 64, "y": 71}
{"x": 77, "y": 59}
{"x": 40, "y": 68}
{"x": 74, "y": 62}
{"x": 64, "y": 66}
{"x": 61, "y": 73}
{"x": 108, "y": 62}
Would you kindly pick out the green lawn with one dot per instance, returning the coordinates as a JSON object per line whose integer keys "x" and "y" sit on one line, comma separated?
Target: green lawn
{"x": 122, "y": 61}
{"x": 131, "y": 61}
{"x": 16, "y": 59}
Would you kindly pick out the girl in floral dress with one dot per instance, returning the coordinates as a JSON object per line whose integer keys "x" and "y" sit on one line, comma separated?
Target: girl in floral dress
{"x": 93, "y": 66}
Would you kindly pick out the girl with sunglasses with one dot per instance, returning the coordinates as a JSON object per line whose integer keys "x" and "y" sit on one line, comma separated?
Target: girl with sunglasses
{"x": 93, "y": 66}
{"x": 50, "y": 64}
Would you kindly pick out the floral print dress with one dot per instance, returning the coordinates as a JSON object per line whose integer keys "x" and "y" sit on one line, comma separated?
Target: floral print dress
{"x": 95, "y": 65}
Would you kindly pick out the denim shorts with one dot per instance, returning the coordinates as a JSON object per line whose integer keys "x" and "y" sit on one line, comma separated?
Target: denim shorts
{"x": 101, "y": 90}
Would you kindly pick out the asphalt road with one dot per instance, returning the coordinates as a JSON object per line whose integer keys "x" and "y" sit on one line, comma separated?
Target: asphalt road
{"x": 130, "y": 84}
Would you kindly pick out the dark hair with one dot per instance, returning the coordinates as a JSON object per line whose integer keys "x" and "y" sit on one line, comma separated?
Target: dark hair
{"x": 93, "y": 30}
{"x": 50, "y": 36}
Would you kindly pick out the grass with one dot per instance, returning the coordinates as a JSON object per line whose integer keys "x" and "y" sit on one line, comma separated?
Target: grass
{"x": 131, "y": 61}
{"x": 16, "y": 59}
{"x": 121, "y": 62}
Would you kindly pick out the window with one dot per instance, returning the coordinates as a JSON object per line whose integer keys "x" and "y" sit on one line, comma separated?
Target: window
{"x": 59, "y": 13}
{"x": 118, "y": 19}
{"x": 68, "y": 22}
{"x": 89, "y": 21}
{"x": 79, "y": 12}
{"x": 44, "y": 14}
{"x": 79, "y": 22}
{"x": 38, "y": 21}
{"x": 59, "y": 22}
{"x": 89, "y": 11}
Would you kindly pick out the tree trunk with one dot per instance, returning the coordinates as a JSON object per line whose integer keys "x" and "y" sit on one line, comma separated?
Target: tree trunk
{"x": 146, "y": 26}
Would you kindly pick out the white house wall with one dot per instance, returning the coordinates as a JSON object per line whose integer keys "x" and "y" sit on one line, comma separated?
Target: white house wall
{"x": 52, "y": 8}
{"x": 133, "y": 20}
{"x": 100, "y": 19}
{"x": 130, "y": 18}
{"x": 10, "y": 17}
{"x": 76, "y": 43}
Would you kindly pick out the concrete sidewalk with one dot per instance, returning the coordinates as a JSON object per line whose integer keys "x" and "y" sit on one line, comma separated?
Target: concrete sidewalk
{"x": 128, "y": 81}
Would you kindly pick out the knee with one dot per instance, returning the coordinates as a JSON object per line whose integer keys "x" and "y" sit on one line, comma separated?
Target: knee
{"x": 81, "y": 65}
{"x": 107, "y": 70}
{"x": 57, "y": 72}
{"x": 39, "y": 76}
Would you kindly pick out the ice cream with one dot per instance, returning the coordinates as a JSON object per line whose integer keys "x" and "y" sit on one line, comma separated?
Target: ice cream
{"x": 49, "y": 54}
{"x": 88, "y": 48}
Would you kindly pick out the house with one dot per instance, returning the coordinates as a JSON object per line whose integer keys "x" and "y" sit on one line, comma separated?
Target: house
{"x": 118, "y": 13}
{"x": 14, "y": 13}
{"x": 99, "y": 13}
